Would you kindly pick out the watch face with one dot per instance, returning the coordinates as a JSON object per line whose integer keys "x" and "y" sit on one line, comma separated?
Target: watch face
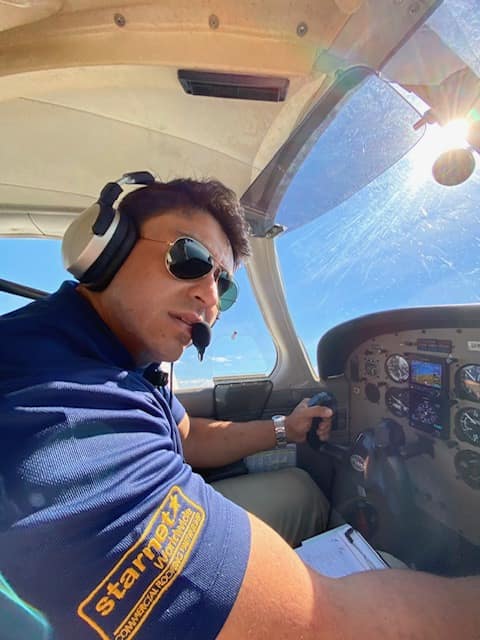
{"x": 280, "y": 431}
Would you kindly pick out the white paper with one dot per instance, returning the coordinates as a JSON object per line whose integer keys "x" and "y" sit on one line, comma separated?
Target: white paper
{"x": 340, "y": 552}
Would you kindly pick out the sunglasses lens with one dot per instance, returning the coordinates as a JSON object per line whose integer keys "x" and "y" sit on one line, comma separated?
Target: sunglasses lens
{"x": 227, "y": 291}
{"x": 187, "y": 259}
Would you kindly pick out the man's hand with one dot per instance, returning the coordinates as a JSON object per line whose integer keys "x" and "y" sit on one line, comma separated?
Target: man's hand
{"x": 213, "y": 443}
{"x": 298, "y": 423}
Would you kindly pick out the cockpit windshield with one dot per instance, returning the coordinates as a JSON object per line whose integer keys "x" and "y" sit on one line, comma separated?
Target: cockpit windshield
{"x": 403, "y": 240}
{"x": 372, "y": 131}
{"x": 457, "y": 22}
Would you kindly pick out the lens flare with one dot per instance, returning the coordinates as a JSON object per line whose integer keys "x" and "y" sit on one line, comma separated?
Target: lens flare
{"x": 436, "y": 141}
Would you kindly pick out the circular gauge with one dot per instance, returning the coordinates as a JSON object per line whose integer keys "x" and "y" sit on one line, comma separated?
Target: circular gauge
{"x": 397, "y": 401}
{"x": 468, "y": 382}
{"x": 467, "y": 425}
{"x": 467, "y": 465}
{"x": 424, "y": 412}
{"x": 397, "y": 368}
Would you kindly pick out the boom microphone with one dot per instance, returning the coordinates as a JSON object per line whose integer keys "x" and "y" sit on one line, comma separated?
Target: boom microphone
{"x": 201, "y": 336}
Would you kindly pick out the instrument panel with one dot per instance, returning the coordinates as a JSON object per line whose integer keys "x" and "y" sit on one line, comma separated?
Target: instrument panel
{"x": 422, "y": 382}
{"x": 428, "y": 382}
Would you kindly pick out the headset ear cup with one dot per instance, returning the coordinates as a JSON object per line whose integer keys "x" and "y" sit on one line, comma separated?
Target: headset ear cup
{"x": 98, "y": 241}
{"x": 78, "y": 239}
{"x": 99, "y": 275}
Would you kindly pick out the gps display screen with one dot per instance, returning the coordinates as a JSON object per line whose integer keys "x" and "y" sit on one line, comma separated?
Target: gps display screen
{"x": 426, "y": 374}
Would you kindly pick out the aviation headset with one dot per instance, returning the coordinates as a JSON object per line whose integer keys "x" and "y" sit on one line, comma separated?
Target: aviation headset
{"x": 98, "y": 241}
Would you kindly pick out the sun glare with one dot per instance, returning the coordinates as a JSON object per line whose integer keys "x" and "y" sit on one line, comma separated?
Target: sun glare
{"x": 455, "y": 132}
{"x": 436, "y": 140}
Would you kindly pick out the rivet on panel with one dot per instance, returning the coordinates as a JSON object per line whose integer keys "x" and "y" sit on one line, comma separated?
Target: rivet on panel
{"x": 414, "y": 8}
{"x": 213, "y": 21}
{"x": 119, "y": 20}
{"x": 302, "y": 29}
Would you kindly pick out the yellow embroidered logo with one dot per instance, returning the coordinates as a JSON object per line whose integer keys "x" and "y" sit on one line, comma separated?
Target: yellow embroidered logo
{"x": 122, "y": 602}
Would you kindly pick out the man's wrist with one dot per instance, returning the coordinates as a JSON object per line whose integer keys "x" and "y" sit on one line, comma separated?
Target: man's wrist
{"x": 279, "y": 425}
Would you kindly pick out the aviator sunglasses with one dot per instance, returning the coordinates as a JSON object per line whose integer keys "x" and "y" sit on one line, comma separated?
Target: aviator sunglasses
{"x": 188, "y": 259}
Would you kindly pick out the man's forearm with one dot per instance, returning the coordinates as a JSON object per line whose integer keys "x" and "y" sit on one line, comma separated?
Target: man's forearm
{"x": 406, "y": 604}
{"x": 213, "y": 443}
{"x": 282, "y": 598}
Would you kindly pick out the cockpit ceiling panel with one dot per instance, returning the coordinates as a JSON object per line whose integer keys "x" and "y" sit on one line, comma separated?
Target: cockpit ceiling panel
{"x": 91, "y": 91}
{"x": 202, "y": 121}
{"x": 175, "y": 33}
{"x": 16, "y": 14}
{"x": 23, "y": 214}
{"x": 76, "y": 153}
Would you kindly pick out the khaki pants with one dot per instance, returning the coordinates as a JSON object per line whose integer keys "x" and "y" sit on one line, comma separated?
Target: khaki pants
{"x": 288, "y": 500}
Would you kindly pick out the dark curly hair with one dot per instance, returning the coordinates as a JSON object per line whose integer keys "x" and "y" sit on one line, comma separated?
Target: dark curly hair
{"x": 185, "y": 194}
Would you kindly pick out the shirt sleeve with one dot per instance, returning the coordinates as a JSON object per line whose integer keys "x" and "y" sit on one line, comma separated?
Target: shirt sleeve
{"x": 113, "y": 535}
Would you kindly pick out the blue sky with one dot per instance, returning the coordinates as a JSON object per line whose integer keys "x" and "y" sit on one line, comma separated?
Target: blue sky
{"x": 35, "y": 262}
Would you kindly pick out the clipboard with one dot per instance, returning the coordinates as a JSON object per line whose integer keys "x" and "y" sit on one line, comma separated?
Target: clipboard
{"x": 340, "y": 552}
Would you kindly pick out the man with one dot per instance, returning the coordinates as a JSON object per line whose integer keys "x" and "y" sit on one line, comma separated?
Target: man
{"x": 288, "y": 500}
{"x": 106, "y": 528}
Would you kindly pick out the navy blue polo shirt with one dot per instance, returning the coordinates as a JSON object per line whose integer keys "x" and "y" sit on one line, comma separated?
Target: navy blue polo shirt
{"x": 103, "y": 526}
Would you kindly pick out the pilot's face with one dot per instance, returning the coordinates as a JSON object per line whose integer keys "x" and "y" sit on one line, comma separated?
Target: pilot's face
{"x": 151, "y": 311}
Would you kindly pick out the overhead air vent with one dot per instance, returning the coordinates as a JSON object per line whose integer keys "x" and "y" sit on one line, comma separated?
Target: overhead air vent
{"x": 236, "y": 86}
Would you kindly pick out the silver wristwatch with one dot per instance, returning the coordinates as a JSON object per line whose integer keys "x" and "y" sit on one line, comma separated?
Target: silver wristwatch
{"x": 280, "y": 431}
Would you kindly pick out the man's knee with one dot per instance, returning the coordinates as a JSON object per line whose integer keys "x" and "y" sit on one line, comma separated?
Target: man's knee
{"x": 288, "y": 500}
{"x": 309, "y": 509}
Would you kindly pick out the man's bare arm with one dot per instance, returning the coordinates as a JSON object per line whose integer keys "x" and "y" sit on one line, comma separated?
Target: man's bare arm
{"x": 213, "y": 443}
{"x": 283, "y": 599}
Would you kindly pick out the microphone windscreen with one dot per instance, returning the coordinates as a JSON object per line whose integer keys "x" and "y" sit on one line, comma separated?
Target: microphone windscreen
{"x": 201, "y": 336}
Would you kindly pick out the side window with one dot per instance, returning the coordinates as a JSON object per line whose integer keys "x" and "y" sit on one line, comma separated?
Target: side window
{"x": 36, "y": 263}
{"x": 240, "y": 346}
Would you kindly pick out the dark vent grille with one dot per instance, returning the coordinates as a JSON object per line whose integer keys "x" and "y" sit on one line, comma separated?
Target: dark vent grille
{"x": 235, "y": 86}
